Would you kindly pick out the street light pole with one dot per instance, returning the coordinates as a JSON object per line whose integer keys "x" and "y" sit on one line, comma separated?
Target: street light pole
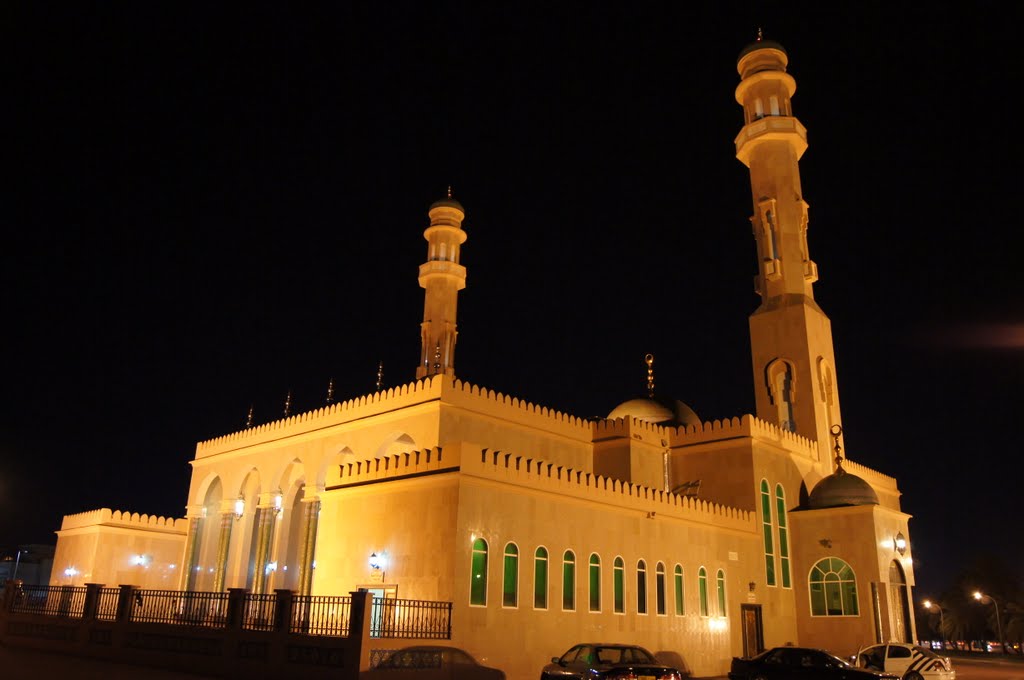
{"x": 17, "y": 561}
{"x": 928, "y": 604}
{"x": 981, "y": 597}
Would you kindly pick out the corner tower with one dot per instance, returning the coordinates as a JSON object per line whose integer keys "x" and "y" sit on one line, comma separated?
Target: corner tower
{"x": 442, "y": 277}
{"x": 790, "y": 336}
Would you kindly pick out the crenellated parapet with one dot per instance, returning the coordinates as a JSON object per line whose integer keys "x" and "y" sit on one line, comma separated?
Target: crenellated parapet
{"x": 111, "y": 518}
{"x": 448, "y": 389}
{"x": 397, "y": 465}
{"x": 540, "y": 475}
{"x": 872, "y": 477}
{"x": 747, "y": 426}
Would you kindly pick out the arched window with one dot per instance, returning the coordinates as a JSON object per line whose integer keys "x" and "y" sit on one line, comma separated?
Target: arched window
{"x": 659, "y": 588}
{"x": 833, "y": 588}
{"x": 568, "y": 581}
{"x": 478, "y": 585}
{"x": 720, "y": 583}
{"x": 641, "y": 587}
{"x": 595, "y": 583}
{"x": 766, "y": 526}
{"x": 780, "y": 513}
{"x": 510, "y": 584}
{"x": 540, "y": 579}
{"x": 619, "y": 583}
{"x": 677, "y": 576}
{"x": 702, "y": 590}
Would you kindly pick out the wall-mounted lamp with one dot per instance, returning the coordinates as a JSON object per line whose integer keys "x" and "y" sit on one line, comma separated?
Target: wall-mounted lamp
{"x": 239, "y": 507}
{"x": 900, "y": 543}
{"x": 375, "y": 561}
{"x": 271, "y": 566}
{"x": 826, "y": 542}
{"x": 752, "y": 586}
{"x": 278, "y": 502}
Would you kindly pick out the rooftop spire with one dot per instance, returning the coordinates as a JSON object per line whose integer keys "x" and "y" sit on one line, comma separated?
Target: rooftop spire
{"x": 649, "y": 360}
{"x": 837, "y": 431}
{"x": 380, "y": 374}
{"x": 330, "y": 391}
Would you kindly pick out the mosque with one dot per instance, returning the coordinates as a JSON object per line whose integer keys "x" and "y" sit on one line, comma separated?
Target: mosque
{"x": 703, "y": 539}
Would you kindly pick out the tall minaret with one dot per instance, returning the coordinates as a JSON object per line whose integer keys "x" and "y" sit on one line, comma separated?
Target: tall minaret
{"x": 790, "y": 337}
{"x": 442, "y": 277}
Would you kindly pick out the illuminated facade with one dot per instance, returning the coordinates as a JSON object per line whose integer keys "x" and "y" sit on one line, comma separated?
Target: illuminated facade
{"x": 700, "y": 540}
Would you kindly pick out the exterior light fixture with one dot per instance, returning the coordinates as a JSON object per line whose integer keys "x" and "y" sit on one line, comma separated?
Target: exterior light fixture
{"x": 752, "y": 586}
{"x": 984, "y": 599}
{"x": 239, "y": 507}
{"x": 900, "y": 543}
{"x": 929, "y": 605}
{"x": 71, "y": 571}
{"x": 374, "y": 561}
{"x": 278, "y": 502}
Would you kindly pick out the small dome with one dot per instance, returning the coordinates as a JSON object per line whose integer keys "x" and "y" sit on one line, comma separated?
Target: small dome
{"x": 656, "y": 410}
{"x": 448, "y": 202}
{"x": 760, "y": 45}
{"x": 839, "y": 489}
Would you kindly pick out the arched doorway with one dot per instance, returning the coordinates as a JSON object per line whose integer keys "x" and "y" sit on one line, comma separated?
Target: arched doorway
{"x": 899, "y": 599}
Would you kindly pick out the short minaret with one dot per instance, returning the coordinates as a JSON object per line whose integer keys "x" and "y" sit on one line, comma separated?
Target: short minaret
{"x": 791, "y": 338}
{"x": 442, "y": 277}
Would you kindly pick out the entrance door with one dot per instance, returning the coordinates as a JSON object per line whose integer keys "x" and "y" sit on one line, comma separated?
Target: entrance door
{"x": 753, "y": 633}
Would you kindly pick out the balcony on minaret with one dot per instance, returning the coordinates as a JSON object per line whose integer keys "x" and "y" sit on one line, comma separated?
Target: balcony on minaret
{"x": 771, "y": 128}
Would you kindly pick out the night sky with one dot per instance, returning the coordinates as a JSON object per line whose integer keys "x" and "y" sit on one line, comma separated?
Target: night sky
{"x": 211, "y": 206}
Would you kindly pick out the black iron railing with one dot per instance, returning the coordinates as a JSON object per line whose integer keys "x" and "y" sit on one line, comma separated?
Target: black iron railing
{"x": 66, "y": 601}
{"x": 259, "y": 611}
{"x": 321, "y": 614}
{"x": 191, "y": 608}
{"x": 423, "y": 619}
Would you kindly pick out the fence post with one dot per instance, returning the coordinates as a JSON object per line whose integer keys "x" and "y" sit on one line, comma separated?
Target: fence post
{"x": 125, "y": 602}
{"x": 92, "y": 601}
{"x": 283, "y": 610}
{"x": 359, "y": 626}
{"x": 236, "y": 607}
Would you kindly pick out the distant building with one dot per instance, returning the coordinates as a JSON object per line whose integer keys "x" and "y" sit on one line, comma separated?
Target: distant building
{"x": 702, "y": 539}
{"x": 30, "y": 564}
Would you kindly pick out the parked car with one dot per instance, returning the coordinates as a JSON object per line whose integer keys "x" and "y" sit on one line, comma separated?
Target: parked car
{"x": 908, "y": 661}
{"x": 608, "y": 661}
{"x": 799, "y": 663}
{"x": 431, "y": 663}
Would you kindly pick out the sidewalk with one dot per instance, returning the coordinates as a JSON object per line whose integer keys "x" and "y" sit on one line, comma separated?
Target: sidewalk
{"x": 31, "y": 663}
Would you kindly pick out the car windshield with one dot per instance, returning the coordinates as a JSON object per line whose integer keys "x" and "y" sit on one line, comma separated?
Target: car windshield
{"x": 842, "y": 663}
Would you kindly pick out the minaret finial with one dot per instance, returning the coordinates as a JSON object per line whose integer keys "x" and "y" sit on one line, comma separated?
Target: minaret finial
{"x": 837, "y": 431}
{"x": 248, "y": 419}
{"x": 330, "y": 391}
{"x": 288, "y": 404}
{"x": 380, "y": 375}
{"x": 760, "y": 34}
{"x": 449, "y": 191}
{"x": 649, "y": 360}
{"x": 437, "y": 357}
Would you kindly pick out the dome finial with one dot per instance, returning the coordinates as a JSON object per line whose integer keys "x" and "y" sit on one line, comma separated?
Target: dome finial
{"x": 837, "y": 431}
{"x": 649, "y": 360}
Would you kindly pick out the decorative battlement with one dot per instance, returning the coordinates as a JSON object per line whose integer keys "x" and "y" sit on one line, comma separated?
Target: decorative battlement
{"x": 108, "y": 517}
{"x": 435, "y": 388}
{"x": 541, "y": 475}
{"x": 747, "y": 426}
{"x": 397, "y": 465}
{"x": 544, "y": 476}
{"x": 872, "y": 477}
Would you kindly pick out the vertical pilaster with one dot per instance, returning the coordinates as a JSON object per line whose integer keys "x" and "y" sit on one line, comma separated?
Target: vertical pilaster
{"x": 188, "y": 567}
{"x": 310, "y": 524}
{"x": 227, "y": 521}
{"x": 265, "y": 518}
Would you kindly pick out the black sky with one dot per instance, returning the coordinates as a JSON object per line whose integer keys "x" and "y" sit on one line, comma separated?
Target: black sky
{"x": 212, "y": 206}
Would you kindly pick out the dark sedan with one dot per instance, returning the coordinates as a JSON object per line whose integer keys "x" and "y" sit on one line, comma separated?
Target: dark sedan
{"x": 608, "y": 662}
{"x": 799, "y": 663}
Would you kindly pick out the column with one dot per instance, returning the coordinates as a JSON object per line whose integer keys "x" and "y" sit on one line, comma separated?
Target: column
{"x": 194, "y": 513}
{"x": 227, "y": 520}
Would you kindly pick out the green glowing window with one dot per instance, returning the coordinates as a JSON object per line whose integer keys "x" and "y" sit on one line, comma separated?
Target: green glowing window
{"x": 702, "y": 590}
{"x": 641, "y": 587}
{"x": 478, "y": 585}
{"x": 659, "y": 587}
{"x": 720, "y": 583}
{"x": 766, "y": 526}
{"x": 568, "y": 581}
{"x": 780, "y": 513}
{"x": 677, "y": 577}
{"x": 595, "y": 583}
{"x": 540, "y": 579}
{"x": 833, "y": 588}
{"x": 510, "y": 582}
{"x": 619, "y": 583}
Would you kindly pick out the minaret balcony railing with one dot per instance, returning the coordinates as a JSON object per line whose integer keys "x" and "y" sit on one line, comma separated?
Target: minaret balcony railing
{"x": 783, "y": 128}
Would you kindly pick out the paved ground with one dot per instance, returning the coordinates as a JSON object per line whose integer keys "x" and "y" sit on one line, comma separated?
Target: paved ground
{"x": 29, "y": 663}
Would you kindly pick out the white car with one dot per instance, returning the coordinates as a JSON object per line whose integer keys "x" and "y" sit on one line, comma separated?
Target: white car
{"x": 908, "y": 661}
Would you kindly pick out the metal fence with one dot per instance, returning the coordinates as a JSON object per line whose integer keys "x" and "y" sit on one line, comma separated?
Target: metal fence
{"x": 321, "y": 614}
{"x": 423, "y": 619}
{"x": 106, "y": 604}
{"x": 190, "y": 608}
{"x": 259, "y": 612}
{"x": 66, "y": 601}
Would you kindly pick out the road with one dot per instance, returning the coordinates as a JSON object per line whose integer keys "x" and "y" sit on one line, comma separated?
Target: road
{"x": 29, "y": 663}
{"x": 993, "y": 668}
